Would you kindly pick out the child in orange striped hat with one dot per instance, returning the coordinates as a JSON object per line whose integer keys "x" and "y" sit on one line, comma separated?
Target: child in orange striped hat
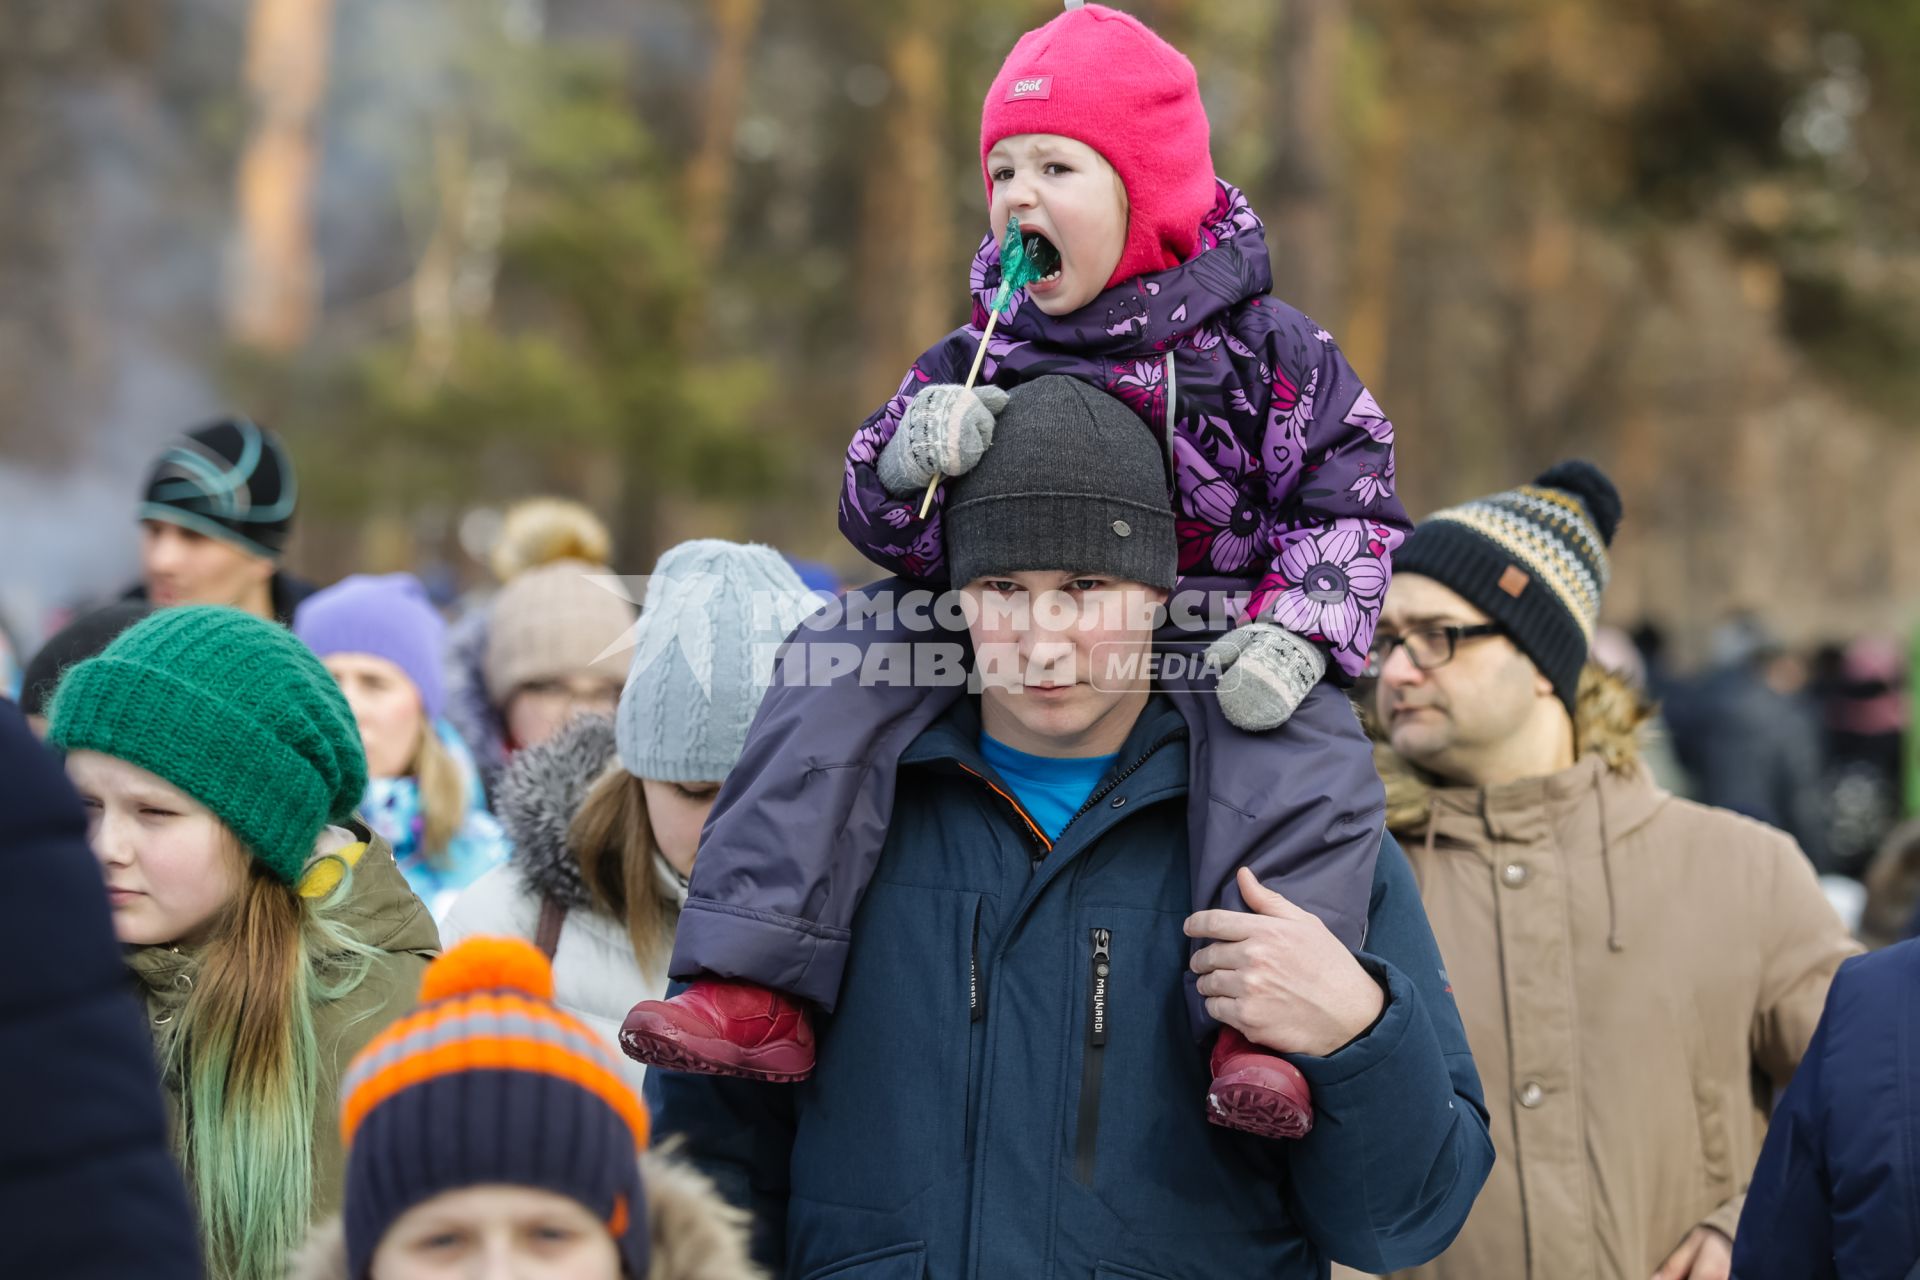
{"x": 488, "y": 1133}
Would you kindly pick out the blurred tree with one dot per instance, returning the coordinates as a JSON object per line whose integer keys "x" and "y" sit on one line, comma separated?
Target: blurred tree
{"x": 709, "y": 176}
{"x": 912, "y": 278}
{"x": 590, "y": 351}
{"x": 666, "y": 254}
{"x": 274, "y": 288}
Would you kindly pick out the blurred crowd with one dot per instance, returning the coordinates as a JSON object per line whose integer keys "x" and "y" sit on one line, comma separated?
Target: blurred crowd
{"x": 1813, "y": 740}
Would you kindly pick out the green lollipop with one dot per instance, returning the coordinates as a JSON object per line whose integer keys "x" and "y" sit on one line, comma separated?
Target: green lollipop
{"x": 1019, "y": 267}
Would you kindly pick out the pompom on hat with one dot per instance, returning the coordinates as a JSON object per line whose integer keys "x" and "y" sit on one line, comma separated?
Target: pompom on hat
{"x": 488, "y": 1083}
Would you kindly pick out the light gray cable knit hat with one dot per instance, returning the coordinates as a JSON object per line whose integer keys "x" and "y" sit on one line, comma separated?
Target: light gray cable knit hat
{"x": 714, "y": 614}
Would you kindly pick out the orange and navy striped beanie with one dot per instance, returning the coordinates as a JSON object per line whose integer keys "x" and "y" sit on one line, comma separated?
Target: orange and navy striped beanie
{"x": 487, "y": 1083}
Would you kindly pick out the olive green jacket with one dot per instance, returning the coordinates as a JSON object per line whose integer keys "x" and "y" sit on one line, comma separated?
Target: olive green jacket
{"x": 380, "y": 910}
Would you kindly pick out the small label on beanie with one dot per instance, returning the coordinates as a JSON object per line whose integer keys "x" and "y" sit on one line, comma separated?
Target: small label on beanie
{"x": 1030, "y": 87}
{"x": 1514, "y": 580}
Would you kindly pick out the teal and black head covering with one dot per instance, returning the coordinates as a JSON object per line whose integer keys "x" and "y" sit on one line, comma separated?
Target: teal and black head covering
{"x": 230, "y": 480}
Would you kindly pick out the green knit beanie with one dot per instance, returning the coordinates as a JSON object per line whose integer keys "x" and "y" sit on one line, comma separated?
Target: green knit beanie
{"x": 233, "y": 711}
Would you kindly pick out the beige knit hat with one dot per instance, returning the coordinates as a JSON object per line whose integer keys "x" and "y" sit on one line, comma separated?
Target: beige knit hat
{"x": 553, "y": 622}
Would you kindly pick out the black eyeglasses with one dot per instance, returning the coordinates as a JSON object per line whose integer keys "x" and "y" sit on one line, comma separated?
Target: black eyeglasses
{"x": 1427, "y": 648}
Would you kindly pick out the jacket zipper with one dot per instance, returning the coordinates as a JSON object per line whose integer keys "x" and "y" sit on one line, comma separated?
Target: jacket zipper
{"x": 1106, "y": 788}
{"x": 1091, "y": 1063}
{"x": 1041, "y": 845}
{"x": 976, "y": 998}
{"x": 976, "y": 1026}
{"x": 1093, "y": 1060}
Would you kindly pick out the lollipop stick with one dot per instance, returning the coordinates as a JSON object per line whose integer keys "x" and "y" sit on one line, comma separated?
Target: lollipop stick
{"x": 979, "y": 357}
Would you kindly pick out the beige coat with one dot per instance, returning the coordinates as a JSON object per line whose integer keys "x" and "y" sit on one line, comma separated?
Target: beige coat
{"x": 1637, "y": 974}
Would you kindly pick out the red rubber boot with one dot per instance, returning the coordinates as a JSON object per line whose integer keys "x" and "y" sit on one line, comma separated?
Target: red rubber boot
{"x": 721, "y": 1028}
{"x": 1257, "y": 1091}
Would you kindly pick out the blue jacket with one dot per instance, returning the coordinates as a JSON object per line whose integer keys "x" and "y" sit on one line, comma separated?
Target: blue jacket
{"x": 88, "y": 1185}
{"x": 1837, "y": 1189}
{"x": 966, "y": 1117}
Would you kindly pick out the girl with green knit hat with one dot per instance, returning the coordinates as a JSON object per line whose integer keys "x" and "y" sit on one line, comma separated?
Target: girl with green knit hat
{"x": 271, "y": 934}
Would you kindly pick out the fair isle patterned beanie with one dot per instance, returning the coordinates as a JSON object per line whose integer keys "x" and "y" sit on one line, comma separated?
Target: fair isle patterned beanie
{"x": 714, "y": 616}
{"x": 1533, "y": 559}
{"x": 229, "y": 480}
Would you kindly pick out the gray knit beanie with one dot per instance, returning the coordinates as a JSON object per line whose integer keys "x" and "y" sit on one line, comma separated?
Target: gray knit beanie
{"x": 1074, "y": 481}
{"x": 714, "y": 614}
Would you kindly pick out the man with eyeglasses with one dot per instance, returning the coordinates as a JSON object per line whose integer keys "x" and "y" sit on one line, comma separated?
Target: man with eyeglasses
{"x": 1638, "y": 974}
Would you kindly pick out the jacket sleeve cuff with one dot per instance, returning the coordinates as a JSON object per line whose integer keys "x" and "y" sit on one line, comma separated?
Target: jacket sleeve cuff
{"x": 1396, "y": 1155}
{"x": 1727, "y": 1216}
{"x": 1373, "y": 1046}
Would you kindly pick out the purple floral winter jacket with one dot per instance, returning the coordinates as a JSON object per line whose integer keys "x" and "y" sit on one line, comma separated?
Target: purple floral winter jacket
{"x": 1283, "y": 461}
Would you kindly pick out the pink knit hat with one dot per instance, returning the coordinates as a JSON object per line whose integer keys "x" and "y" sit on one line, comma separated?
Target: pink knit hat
{"x": 1101, "y": 77}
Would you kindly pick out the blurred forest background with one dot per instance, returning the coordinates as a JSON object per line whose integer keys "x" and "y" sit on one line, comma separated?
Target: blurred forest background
{"x": 666, "y": 254}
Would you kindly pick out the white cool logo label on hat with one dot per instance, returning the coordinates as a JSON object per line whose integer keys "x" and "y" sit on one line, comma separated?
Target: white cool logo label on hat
{"x": 1030, "y": 87}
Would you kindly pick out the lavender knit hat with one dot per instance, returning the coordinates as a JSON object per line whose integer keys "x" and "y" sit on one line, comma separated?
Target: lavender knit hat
{"x": 714, "y": 615}
{"x": 386, "y": 615}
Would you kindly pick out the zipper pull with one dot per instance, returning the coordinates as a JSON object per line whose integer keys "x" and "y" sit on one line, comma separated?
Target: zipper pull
{"x": 976, "y": 1006}
{"x": 1093, "y": 1059}
{"x": 1102, "y": 968}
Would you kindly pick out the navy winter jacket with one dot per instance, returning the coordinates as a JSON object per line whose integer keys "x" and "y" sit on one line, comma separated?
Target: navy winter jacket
{"x": 980, "y": 1108}
{"x": 1837, "y": 1189}
{"x": 88, "y": 1185}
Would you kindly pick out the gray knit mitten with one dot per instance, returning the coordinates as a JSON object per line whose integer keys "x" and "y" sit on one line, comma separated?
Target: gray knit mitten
{"x": 1266, "y": 672}
{"x": 944, "y": 431}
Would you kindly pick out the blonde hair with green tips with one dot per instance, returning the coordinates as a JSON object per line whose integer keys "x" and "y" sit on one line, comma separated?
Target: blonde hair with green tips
{"x": 246, "y": 1053}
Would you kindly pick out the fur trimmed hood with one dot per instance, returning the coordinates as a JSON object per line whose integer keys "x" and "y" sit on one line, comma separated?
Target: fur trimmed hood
{"x": 696, "y": 1234}
{"x": 539, "y": 795}
{"x": 1609, "y": 718}
{"x": 1609, "y": 715}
